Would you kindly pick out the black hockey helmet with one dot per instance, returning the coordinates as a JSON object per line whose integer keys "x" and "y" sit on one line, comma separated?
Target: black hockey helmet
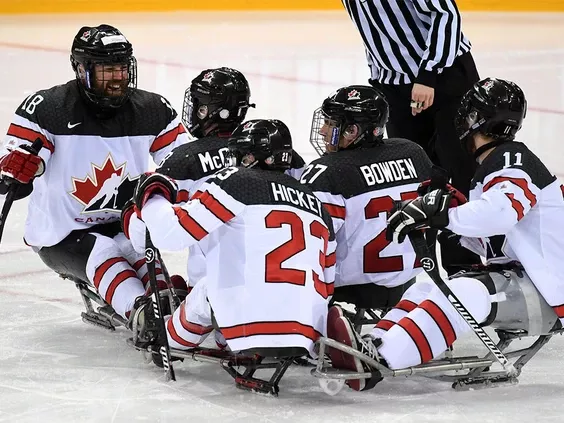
{"x": 265, "y": 143}
{"x": 104, "y": 65}
{"x": 216, "y": 96}
{"x": 493, "y": 107}
{"x": 358, "y": 105}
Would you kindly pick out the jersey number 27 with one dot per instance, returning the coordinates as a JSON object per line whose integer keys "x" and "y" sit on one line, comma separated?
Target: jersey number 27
{"x": 372, "y": 262}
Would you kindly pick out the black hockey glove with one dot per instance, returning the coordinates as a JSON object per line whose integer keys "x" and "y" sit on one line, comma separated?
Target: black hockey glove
{"x": 150, "y": 184}
{"x": 429, "y": 211}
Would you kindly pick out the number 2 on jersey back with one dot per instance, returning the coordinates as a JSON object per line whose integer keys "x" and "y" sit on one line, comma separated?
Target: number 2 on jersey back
{"x": 274, "y": 272}
{"x": 372, "y": 262}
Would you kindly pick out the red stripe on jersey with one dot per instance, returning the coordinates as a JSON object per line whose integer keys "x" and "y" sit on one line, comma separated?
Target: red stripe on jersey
{"x": 167, "y": 138}
{"x": 192, "y": 327}
{"x": 517, "y": 206}
{"x": 103, "y": 268}
{"x": 520, "y": 182}
{"x": 330, "y": 260}
{"x": 214, "y": 205}
{"x": 336, "y": 211}
{"x": 176, "y": 337}
{"x": 120, "y": 277}
{"x": 189, "y": 224}
{"x": 30, "y": 135}
{"x": 385, "y": 324}
{"x": 418, "y": 337}
{"x": 145, "y": 278}
{"x": 562, "y": 189}
{"x": 139, "y": 264}
{"x": 183, "y": 196}
{"x": 322, "y": 288}
{"x": 559, "y": 311}
{"x": 441, "y": 319}
{"x": 270, "y": 328}
{"x": 406, "y": 305}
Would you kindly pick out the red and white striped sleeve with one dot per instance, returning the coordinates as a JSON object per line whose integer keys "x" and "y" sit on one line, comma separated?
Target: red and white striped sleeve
{"x": 335, "y": 206}
{"x": 24, "y": 131}
{"x": 172, "y": 136}
{"x": 175, "y": 227}
{"x": 508, "y": 195}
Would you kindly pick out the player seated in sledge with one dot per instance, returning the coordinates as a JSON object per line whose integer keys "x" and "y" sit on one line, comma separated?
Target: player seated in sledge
{"x": 268, "y": 239}
{"x": 358, "y": 178}
{"x": 512, "y": 194}
{"x": 98, "y": 132}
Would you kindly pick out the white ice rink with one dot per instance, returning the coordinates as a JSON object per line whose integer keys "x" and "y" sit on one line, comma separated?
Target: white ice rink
{"x": 55, "y": 368}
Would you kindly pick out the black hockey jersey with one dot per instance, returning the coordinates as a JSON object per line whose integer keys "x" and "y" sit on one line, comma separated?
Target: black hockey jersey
{"x": 191, "y": 164}
{"x": 92, "y": 164}
{"x": 358, "y": 187}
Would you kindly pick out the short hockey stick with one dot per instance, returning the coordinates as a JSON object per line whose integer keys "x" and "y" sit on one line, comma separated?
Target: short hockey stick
{"x": 428, "y": 259}
{"x": 169, "y": 284}
{"x": 14, "y": 186}
{"x": 151, "y": 254}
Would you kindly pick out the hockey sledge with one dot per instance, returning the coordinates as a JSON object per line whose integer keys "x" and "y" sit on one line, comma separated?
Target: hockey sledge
{"x": 472, "y": 372}
{"x": 243, "y": 365}
{"x": 103, "y": 315}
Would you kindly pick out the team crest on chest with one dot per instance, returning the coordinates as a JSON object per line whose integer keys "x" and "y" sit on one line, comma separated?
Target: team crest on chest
{"x": 106, "y": 188}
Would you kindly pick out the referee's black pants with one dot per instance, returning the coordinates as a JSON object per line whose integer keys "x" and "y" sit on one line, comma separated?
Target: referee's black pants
{"x": 434, "y": 130}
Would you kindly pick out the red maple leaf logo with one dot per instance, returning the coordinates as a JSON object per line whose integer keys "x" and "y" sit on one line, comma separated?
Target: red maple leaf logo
{"x": 104, "y": 178}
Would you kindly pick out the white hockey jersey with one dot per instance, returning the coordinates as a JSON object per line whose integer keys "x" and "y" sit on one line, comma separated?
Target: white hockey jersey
{"x": 92, "y": 164}
{"x": 358, "y": 187}
{"x": 190, "y": 165}
{"x": 269, "y": 254}
{"x": 514, "y": 194}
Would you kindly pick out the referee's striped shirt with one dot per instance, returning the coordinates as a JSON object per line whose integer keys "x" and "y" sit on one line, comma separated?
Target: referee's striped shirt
{"x": 408, "y": 40}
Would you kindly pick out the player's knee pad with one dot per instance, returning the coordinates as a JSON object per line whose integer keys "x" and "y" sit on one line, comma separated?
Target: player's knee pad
{"x": 516, "y": 304}
{"x": 473, "y": 295}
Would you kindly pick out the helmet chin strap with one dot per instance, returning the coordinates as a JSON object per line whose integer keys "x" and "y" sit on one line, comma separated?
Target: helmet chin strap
{"x": 493, "y": 144}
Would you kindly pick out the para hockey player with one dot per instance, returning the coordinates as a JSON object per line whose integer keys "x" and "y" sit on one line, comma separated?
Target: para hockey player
{"x": 216, "y": 102}
{"x": 269, "y": 247}
{"x": 358, "y": 178}
{"x": 98, "y": 132}
{"x": 512, "y": 194}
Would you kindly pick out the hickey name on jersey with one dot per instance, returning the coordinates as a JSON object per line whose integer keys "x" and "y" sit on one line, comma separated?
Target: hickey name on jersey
{"x": 213, "y": 162}
{"x": 296, "y": 197}
{"x": 390, "y": 171}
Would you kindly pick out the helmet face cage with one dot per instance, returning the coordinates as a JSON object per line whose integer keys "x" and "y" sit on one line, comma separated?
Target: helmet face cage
{"x": 218, "y": 96}
{"x": 325, "y": 132}
{"x": 107, "y": 83}
{"x": 358, "y": 105}
{"x": 104, "y": 65}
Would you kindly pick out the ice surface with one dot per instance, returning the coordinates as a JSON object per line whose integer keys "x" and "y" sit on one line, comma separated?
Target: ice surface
{"x": 55, "y": 368}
